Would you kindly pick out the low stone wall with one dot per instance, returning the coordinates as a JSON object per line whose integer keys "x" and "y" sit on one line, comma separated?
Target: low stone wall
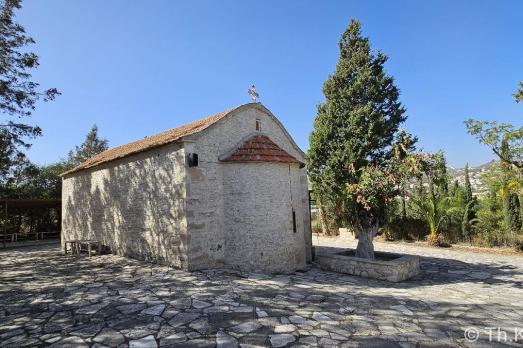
{"x": 399, "y": 269}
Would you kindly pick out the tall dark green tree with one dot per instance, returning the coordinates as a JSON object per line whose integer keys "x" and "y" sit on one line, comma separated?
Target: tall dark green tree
{"x": 467, "y": 222}
{"x": 468, "y": 186}
{"x": 19, "y": 93}
{"x": 469, "y": 213}
{"x": 405, "y": 145}
{"x": 455, "y": 188}
{"x": 511, "y": 204}
{"x": 92, "y": 145}
{"x": 443, "y": 184}
{"x": 355, "y": 126}
{"x": 512, "y": 208}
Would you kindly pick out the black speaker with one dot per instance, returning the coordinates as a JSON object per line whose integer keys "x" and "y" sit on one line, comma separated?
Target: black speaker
{"x": 192, "y": 159}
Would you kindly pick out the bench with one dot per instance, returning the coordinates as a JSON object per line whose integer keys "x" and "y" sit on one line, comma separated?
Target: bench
{"x": 77, "y": 245}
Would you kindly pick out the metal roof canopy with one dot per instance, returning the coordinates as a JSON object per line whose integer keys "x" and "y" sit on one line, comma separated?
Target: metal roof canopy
{"x": 30, "y": 202}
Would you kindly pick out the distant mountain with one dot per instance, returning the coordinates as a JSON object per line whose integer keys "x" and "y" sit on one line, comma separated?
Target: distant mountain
{"x": 475, "y": 174}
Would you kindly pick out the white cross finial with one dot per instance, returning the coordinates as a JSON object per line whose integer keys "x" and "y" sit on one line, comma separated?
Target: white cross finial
{"x": 254, "y": 95}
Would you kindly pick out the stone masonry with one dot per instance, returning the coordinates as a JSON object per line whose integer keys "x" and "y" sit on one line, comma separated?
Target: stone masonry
{"x": 399, "y": 269}
{"x": 135, "y": 206}
{"x": 152, "y": 206}
{"x": 48, "y": 299}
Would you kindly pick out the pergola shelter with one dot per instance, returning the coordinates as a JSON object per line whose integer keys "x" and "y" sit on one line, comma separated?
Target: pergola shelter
{"x": 10, "y": 204}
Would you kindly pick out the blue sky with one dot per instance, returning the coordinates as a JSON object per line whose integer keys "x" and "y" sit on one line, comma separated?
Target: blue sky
{"x": 136, "y": 68}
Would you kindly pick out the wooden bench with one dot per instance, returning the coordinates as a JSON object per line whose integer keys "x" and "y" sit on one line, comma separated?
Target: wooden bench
{"x": 76, "y": 246}
{"x": 72, "y": 244}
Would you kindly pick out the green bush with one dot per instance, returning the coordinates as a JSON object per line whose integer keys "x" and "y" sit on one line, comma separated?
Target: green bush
{"x": 518, "y": 243}
{"x": 494, "y": 238}
{"x": 406, "y": 229}
{"x": 316, "y": 224}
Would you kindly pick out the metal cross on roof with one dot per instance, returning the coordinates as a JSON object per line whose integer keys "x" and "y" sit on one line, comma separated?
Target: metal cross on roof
{"x": 254, "y": 95}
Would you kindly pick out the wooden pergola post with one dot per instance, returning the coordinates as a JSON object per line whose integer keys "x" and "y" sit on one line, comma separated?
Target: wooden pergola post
{"x": 5, "y": 224}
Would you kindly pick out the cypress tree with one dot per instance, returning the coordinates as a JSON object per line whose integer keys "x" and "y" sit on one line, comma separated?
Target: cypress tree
{"x": 355, "y": 125}
{"x": 513, "y": 216}
{"x": 511, "y": 204}
{"x": 468, "y": 187}
{"x": 470, "y": 207}
{"x": 469, "y": 214}
{"x": 403, "y": 207}
{"x": 441, "y": 179}
{"x": 465, "y": 223}
{"x": 454, "y": 189}
{"x": 91, "y": 146}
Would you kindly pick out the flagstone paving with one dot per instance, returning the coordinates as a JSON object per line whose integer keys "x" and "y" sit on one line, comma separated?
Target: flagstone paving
{"x": 50, "y": 299}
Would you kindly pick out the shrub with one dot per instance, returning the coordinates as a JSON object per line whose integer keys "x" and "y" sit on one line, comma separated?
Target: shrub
{"x": 406, "y": 229}
{"x": 438, "y": 241}
{"x": 316, "y": 225}
{"x": 494, "y": 238}
{"x": 518, "y": 244}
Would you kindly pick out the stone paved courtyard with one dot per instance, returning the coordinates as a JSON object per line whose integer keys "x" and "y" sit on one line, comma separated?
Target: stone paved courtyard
{"x": 49, "y": 299}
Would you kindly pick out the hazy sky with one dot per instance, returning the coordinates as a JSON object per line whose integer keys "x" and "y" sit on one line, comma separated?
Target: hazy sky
{"x": 136, "y": 68}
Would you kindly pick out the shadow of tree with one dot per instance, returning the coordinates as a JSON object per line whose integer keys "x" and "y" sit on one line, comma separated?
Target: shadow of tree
{"x": 135, "y": 208}
{"x": 436, "y": 271}
{"x": 45, "y": 294}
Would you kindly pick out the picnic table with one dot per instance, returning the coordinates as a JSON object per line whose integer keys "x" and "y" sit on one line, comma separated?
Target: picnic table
{"x": 76, "y": 246}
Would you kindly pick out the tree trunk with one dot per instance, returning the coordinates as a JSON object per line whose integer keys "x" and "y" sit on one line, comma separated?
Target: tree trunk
{"x": 365, "y": 248}
{"x": 323, "y": 220}
{"x": 403, "y": 208}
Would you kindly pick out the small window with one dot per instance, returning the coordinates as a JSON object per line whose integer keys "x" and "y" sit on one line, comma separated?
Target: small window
{"x": 258, "y": 125}
{"x": 293, "y": 221}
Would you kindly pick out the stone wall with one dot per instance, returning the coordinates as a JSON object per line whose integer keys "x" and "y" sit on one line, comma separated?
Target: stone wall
{"x": 258, "y": 193}
{"x": 152, "y": 206}
{"x": 399, "y": 269}
{"x": 259, "y": 201}
{"x": 136, "y": 206}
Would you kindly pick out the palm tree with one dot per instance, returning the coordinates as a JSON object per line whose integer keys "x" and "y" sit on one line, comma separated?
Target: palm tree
{"x": 436, "y": 210}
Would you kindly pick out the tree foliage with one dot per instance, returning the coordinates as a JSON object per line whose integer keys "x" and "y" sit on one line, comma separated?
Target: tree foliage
{"x": 18, "y": 92}
{"x": 455, "y": 214}
{"x": 468, "y": 186}
{"x": 512, "y": 208}
{"x": 355, "y": 126}
{"x": 469, "y": 219}
{"x": 434, "y": 204}
{"x": 470, "y": 206}
{"x": 509, "y": 191}
{"x": 378, "y": 186}
{"x": 23, "y": 179}
{"x": 495, "y": 135}
{"x": 92, "y": 145}
{"x": 519, "y": 93}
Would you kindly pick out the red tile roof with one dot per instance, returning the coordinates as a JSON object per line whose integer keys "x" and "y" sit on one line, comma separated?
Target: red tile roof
{"x": 260, "y": 148}
{"x": 170, "y": 136}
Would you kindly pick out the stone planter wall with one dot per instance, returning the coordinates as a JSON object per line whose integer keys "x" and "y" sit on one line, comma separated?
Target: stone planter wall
{"x": 401, "y": 268}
